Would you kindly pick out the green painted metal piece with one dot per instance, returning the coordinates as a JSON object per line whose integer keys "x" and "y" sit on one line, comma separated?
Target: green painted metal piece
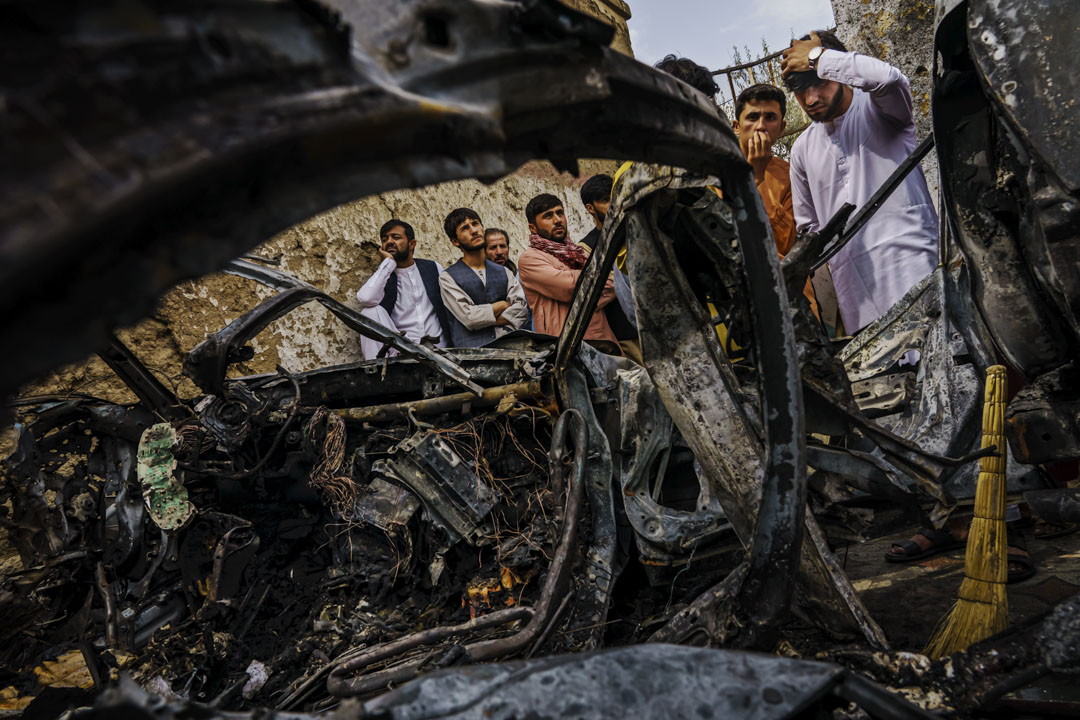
{"x": 166, "y": 497}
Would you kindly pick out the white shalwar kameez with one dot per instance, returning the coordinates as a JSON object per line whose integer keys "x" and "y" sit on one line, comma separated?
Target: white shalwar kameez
{"x": 847, "y": 160}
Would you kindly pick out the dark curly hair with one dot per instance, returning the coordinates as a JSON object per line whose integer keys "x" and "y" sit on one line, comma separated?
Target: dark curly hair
{"x": 455, "y": 218}
{"x": 690, "y": 73}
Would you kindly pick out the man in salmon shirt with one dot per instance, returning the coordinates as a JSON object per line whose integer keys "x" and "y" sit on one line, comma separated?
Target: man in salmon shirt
{"x": 759, "y": 123}
{"x": 549, "y": 270}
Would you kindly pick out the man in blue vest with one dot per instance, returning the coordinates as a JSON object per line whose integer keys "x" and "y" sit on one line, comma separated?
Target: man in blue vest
{"x": 403, "y": 293}
{"x": 483, "y": 300}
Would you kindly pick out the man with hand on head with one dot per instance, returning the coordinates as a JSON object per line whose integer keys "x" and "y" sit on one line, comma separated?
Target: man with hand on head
{"x": 759, "y": 123}
{"x": 863, "y": 128}
{"x": 549, "y": 270}
{"x": 403, "y": 293}
{"x": 484, "y": 300}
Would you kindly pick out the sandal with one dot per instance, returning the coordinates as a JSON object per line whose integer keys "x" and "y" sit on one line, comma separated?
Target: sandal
{"x": 940, "y": 541}
{"x": 1060, "y": 529}
{"x": 1027, "y": 565}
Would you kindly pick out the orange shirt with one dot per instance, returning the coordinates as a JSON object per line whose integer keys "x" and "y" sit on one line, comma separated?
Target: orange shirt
{"x": 775, "y": 192}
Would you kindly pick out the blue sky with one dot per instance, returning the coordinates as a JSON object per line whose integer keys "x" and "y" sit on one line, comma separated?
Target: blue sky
{"x": 706, "y": 30}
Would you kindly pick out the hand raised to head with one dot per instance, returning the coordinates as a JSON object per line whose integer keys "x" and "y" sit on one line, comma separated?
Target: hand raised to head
{"x": 796, "y": 58}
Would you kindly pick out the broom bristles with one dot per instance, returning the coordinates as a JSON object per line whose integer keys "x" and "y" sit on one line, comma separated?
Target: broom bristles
{"x": 983, "y": 605}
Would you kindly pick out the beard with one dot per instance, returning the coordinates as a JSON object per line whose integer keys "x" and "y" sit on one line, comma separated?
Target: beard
{"x": 833, "y": 108}
{"x": 551, "y": 235}
{"x": 401, "y": 255}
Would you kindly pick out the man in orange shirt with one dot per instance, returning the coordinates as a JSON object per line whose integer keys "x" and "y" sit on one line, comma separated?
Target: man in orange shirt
{"x": 759, "y": 123}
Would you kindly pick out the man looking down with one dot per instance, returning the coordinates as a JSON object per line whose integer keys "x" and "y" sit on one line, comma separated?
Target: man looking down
{"x": 484, "y": 300}
{"x": 862, "y": 129}
{"x": 596, "y": 197}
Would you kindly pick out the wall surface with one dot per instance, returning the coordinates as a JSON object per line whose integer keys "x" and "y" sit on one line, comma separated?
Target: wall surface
{"x": 900, "y": 32}
{"x": 335, "y": 251}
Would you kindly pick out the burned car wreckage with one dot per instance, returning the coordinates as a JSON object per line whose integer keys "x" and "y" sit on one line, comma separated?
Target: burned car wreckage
{"x": 365, "y": 536}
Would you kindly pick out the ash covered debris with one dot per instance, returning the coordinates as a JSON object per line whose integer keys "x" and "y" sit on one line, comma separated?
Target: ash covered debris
{"x": 308, "y": 542}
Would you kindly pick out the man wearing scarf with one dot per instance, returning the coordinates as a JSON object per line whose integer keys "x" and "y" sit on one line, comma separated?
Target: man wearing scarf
{"x": 549, "y": 270}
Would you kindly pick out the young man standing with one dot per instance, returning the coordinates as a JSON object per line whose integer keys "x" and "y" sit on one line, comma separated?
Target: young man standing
{"x": 483, "y": 299}
{"x": 596, "y": 197}
{"x": 497, "y": 248}
{"x": 759, "y": 123}
{"x": 403, "y": 293}
{"x": 863, "y": 129}
{"x": 549, "y": 270}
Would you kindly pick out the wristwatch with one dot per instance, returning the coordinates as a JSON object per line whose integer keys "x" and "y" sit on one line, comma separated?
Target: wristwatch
{"x": 813, "y": 56}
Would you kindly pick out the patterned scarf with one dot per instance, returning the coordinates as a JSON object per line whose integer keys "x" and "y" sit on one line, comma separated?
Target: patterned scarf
{"x": 569, "y": 254}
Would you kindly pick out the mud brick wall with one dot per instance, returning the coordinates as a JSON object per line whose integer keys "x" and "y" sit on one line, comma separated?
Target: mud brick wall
{"x": 335, "y": 251}
{"x": 900, "y": 32}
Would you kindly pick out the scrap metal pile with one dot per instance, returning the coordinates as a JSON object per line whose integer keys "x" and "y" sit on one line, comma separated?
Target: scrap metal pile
{"x": 292, "y": 540}
{"x": 263, "y": 530}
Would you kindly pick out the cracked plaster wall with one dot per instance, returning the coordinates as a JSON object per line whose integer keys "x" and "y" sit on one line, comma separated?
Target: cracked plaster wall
{"x": 900, "y": 32}
{"x": 335, "y": 251}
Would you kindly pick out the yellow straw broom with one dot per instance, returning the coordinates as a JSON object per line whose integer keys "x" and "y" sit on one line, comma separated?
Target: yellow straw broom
{"x": 983, "y": 606}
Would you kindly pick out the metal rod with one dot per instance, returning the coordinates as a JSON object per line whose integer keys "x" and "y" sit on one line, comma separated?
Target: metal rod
{"x": 759, "y": 61}
{"x": 749, "y": 63}
{"x": 110, "y": 606}
{"x": 393, "y": 412}
{"x": 863, "y": 215}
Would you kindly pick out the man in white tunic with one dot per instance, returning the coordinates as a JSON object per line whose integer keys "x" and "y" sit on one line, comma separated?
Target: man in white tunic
{"x": 863, "y": 129}
{"x": 403, "y": 292}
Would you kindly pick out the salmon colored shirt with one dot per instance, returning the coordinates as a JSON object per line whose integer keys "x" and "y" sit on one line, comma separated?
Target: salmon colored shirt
{"x": 549, "y": 287}
{"x": 775, "y": 192}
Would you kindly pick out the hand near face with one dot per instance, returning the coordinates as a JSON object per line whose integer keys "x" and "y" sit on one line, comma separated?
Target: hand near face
{"x": 385, "y": 254}
{"x": 796, "y": 58}
{"x": 759, "y": 153}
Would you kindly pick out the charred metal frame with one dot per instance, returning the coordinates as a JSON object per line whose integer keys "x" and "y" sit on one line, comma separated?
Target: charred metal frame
{"x": 207, "y": 363}
{"x": 672, "y": 318}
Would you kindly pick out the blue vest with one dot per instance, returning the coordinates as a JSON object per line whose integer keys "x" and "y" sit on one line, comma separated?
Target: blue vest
{"x": 429, "y": 274}
{"x": 495, "y": 290}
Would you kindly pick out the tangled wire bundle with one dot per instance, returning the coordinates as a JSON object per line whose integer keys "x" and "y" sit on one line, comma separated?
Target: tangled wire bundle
{"x": 325, "y": 434}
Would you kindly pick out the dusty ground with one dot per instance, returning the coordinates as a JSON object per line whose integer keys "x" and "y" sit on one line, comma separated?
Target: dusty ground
{"x": 907, "y": 599}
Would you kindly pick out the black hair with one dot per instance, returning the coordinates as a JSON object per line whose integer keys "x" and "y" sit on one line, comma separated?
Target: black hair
{"x": 596, "y": 189}
{"x": 455, "y": 218}
{"x": 690, "y": 73}
{"x": 540, "y": 204}
{"x": 496, "y": 231}
{"x": 762, "y": 92}
{"x": 809, "y": 78}
{"x": 389, "y": 225}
